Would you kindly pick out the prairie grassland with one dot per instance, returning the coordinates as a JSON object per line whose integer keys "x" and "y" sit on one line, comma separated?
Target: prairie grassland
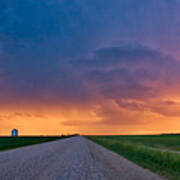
{"x": 15, "y": 142}
{"x": 166, "y": 142}
{"x": 158, "y": 153}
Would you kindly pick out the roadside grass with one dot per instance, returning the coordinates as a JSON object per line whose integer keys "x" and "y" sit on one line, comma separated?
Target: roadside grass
{"x": 7, "y": 143}
{"x": 166, "y": 142}
{"x": 165, "y": 163}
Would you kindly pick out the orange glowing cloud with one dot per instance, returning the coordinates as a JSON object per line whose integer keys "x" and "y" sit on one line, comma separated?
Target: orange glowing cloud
{"x": 89, "y": 70}
{"x": 124, "y": 93}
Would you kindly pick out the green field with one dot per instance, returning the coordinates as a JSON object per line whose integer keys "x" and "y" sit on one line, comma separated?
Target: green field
{"x": 15, "y": 142}
{"x": 159, "y": 153}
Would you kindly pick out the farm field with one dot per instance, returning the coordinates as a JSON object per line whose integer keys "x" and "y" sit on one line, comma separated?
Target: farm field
{"x": 15, "y": 142}
{"x": 159, "y": 153}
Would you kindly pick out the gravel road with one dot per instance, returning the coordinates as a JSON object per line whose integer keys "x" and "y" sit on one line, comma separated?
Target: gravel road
{"x": 70, "y": 159}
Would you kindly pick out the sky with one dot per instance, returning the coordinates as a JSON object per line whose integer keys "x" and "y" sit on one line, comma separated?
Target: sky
{"x": 89, "y": 67}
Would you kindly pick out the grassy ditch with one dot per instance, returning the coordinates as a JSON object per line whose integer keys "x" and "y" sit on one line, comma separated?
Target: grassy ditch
{"x": 165, "y": 163}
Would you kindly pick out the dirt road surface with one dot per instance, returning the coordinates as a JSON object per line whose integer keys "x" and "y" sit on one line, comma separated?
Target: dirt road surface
{"x": 70, "y": 159}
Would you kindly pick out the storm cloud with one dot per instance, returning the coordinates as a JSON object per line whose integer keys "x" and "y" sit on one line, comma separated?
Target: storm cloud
{"x": 100, "y": 60}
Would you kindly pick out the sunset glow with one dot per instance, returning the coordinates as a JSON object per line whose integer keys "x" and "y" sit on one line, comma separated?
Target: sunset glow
{"x": 89, "y": 67}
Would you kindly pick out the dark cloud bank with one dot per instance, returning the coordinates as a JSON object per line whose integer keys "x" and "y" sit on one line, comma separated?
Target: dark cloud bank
{"x": 63, "y": 52}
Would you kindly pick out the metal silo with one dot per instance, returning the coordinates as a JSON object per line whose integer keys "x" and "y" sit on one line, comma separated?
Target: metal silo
{"x": 14, "y": 133}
